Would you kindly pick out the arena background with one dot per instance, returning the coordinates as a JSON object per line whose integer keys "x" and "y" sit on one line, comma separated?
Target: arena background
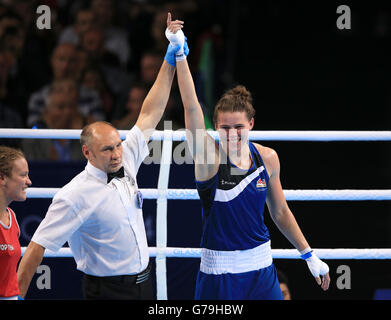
{"x": 304, "y": 74}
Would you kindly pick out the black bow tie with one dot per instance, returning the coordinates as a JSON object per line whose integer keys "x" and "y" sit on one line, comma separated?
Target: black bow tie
{"x": 118, "y": 174}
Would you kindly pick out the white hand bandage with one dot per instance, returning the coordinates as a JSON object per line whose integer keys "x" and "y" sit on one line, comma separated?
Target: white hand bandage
{"x": 317, "y": 266}
{"x": 175, "y": 39}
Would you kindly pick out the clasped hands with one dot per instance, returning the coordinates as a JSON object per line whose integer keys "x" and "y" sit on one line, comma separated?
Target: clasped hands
{"x": 177, "y": 49}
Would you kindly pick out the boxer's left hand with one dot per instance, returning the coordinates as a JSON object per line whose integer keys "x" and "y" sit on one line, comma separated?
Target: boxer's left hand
{"x": 318, "y": 269}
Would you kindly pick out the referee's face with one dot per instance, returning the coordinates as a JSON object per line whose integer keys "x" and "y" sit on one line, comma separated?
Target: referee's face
{"x": 105, "y": 150}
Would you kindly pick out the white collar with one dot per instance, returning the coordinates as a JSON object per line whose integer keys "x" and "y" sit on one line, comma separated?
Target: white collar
{"x": 96, "y": 173}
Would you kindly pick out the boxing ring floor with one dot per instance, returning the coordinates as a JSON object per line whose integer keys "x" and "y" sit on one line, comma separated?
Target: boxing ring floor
{"x": 162, "y": 194}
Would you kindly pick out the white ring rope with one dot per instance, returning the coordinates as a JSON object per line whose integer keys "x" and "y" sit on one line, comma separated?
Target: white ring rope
{"x": 179, "y": 252}
{"x": 290, "y": 195}
{"x": 180, "y": 135}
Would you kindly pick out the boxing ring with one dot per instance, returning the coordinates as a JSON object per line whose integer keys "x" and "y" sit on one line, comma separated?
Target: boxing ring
{"x": 162, "y": 193}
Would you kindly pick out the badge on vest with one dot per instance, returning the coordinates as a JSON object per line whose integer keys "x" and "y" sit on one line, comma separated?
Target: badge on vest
{"x": 261, "y": 183}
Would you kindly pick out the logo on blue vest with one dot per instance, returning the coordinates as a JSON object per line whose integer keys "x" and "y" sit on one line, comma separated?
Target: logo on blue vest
{"x": 261, "y": 183}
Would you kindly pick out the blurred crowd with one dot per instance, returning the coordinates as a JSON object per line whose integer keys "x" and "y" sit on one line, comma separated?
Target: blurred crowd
{"x": 96, "y": 62}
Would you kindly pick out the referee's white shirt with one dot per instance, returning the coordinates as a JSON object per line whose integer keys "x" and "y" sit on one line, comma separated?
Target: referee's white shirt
{"x": 101, "y": 221}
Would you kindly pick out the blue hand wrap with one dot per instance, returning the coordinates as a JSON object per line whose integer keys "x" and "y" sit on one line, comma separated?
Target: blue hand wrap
{"x": 171, "y": 51}
{"x": 306, "y": 255}
{"x": 170, "y": 54}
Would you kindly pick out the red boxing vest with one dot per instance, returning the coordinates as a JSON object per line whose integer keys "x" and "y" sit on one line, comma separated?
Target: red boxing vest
{"x": 10, "y": 253}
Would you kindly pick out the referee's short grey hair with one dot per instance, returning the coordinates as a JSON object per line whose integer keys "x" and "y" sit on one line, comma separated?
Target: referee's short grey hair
{"x": 87, "y": 132}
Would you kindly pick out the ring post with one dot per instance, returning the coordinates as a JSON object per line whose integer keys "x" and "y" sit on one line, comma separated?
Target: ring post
{"x": 161, "y": 216}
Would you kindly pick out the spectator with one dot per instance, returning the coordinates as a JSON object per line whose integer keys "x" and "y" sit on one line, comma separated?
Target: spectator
{"x": 139, "y": 20}
{"x": 4, "y": 68}
{"x": 59, "y": 112}
{"x": 145, "y": 20}
{"x": 284, "y": 285}
{"x": 93, "y": 78}
{"x": 9, "y": 118}
{"x": 181, "y": 9}
{"x": 22, "y": 78}
{"x": 147, "y": 73}
{"x": 25, "y": 9}
{"x": 173, "y": 113}
{"x": 64, "y": 65}
{"x": 81, "y": 115}
{"x": 116, "y": 39}
{"x": 83, "y": 22}
{"x": 159, "y": 21}
{"x": 149, "y": 66}
{"x": 127, "y": 116}
{"x": 92, "y": 42}
{"x": 82, "y": 61}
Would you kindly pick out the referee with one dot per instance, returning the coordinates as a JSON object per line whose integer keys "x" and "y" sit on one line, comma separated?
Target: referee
{"x": 99, "y": 212}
